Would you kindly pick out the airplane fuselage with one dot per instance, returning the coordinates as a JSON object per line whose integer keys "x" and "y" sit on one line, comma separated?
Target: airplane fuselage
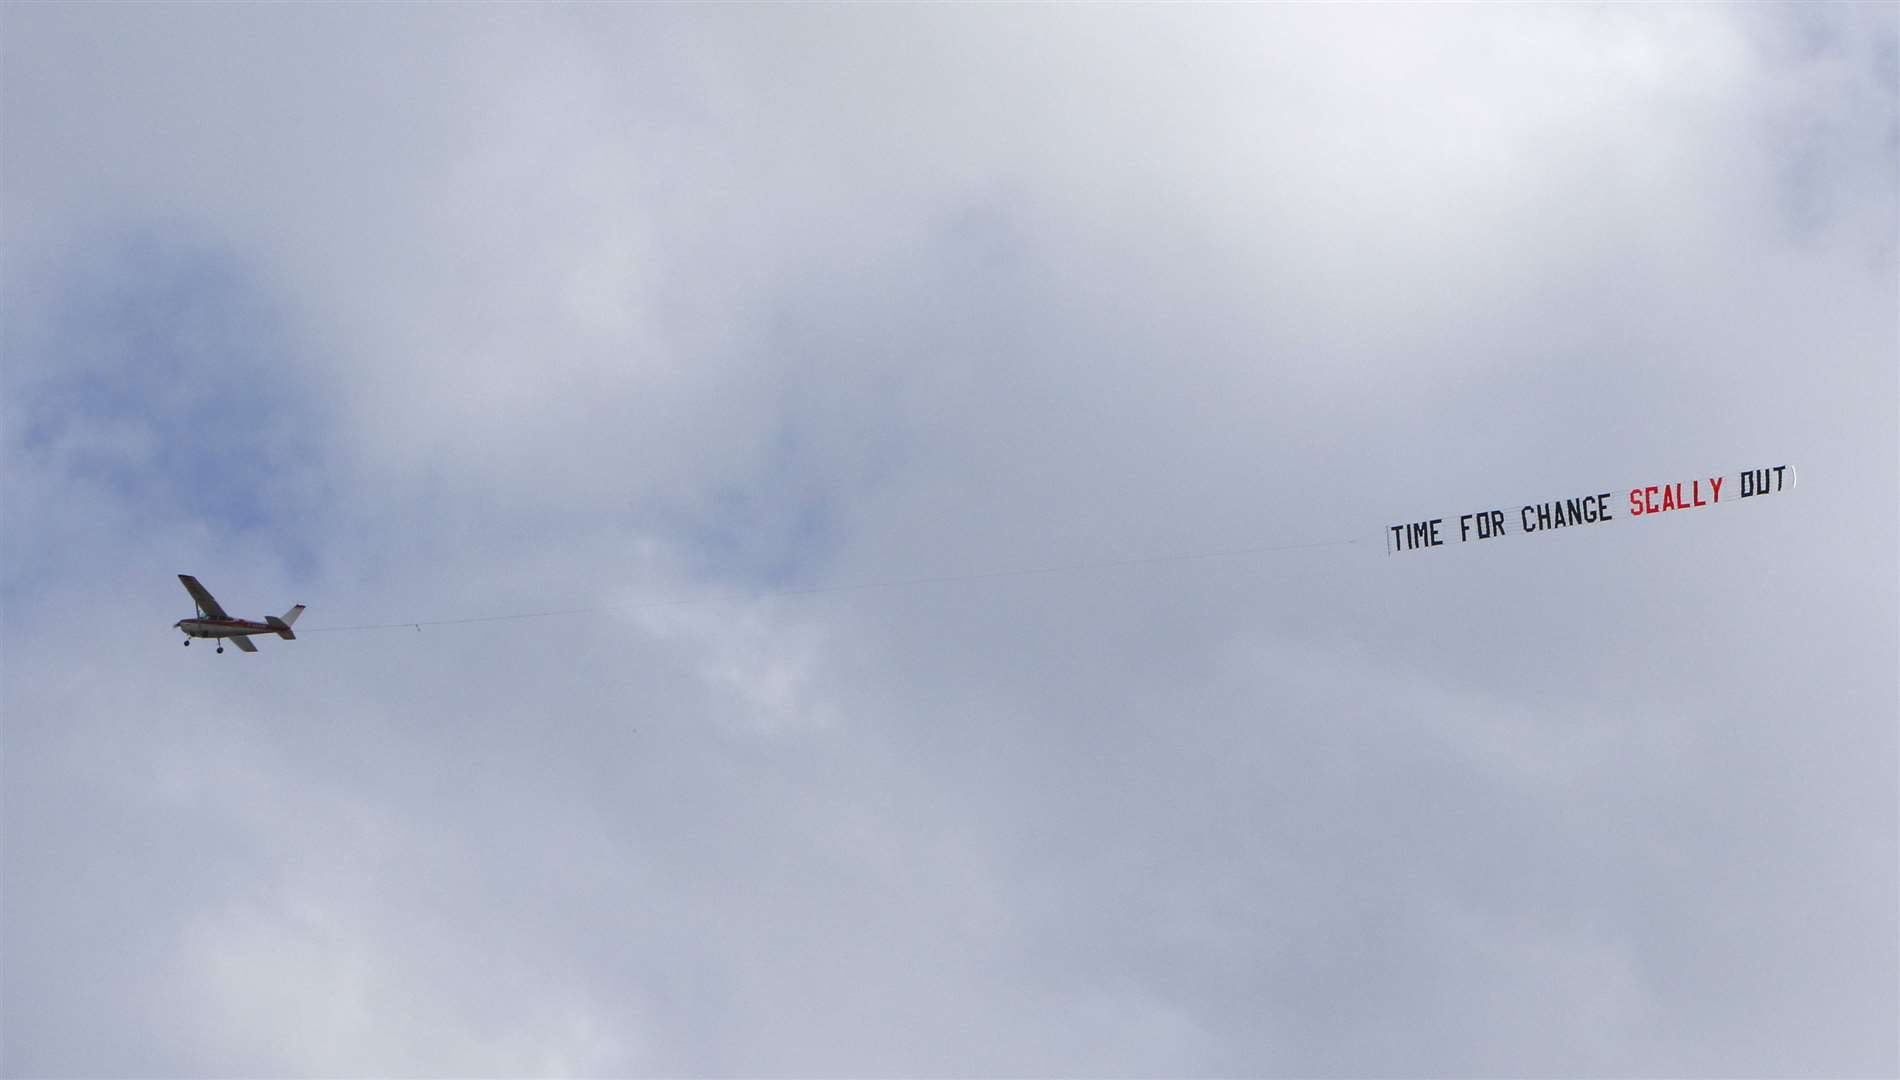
{"x": 223, "y": 628}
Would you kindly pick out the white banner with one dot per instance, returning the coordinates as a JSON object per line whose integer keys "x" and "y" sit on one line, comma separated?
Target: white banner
{"x": 1597, "y": 508}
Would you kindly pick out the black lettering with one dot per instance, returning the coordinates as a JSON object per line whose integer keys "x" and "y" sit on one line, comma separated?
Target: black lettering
{"x": 1779, "y": 469}
{"x": 1543, "y": 516}
{"x": 1524, "y": 515}
{"x": 1497, "y": 523}
{"x": 1431, "y": 528}
{"x": 1464, "y": 527}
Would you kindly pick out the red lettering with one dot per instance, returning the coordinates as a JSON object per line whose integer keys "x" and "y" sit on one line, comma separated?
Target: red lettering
{"x": 1649, "y": 500}
{"x": 1715, "y": 489}
{"x": 1669, "y": 497}
{"x": 1695, "y": 488}
{"x": 1636, "y": 502}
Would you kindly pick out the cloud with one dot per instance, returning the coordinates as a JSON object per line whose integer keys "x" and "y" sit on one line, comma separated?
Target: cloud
{"x": 443, "y": 313}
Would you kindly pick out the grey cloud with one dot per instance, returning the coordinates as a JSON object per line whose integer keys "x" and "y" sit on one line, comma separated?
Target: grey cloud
{"x": 599, "y": 307}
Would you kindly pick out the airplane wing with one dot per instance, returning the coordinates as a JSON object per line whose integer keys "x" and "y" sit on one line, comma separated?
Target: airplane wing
{"x": 206, "y": 602}
{"x": 244, "y": 643}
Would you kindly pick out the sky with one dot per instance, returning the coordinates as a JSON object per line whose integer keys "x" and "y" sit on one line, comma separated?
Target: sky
{"x": 421, "y": 313}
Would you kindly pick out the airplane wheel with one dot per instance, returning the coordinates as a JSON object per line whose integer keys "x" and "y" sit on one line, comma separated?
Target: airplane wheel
{"x": 220, "y": 650}
{"x": 188, "y": 643}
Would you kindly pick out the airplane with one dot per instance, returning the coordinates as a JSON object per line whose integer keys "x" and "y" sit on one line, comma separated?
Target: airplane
{"x": 212, "y": 622}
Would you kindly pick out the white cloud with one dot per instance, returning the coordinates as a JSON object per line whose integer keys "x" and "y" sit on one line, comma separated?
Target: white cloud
{"x": 597, "y": 307}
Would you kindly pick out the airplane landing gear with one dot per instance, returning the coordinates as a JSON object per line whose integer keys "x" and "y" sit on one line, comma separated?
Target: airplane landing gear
{"x": 221, "y": 648}
{"x": 187, "y": 642}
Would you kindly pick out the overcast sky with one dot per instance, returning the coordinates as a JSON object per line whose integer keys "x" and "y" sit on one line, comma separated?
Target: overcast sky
{"x": 420, "y": 313}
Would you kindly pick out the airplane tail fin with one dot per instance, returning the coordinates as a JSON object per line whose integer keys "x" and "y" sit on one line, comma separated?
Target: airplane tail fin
{"x": 282, "y": 626}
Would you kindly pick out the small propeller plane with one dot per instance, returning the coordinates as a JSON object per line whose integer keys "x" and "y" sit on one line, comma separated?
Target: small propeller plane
{"x": 212, "y": 622}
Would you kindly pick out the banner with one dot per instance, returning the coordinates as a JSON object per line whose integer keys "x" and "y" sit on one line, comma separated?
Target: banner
{"x": 1597, "y": 508}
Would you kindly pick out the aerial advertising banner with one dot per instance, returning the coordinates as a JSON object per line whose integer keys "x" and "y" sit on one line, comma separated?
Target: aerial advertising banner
{"x": 1594, "y": 509}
